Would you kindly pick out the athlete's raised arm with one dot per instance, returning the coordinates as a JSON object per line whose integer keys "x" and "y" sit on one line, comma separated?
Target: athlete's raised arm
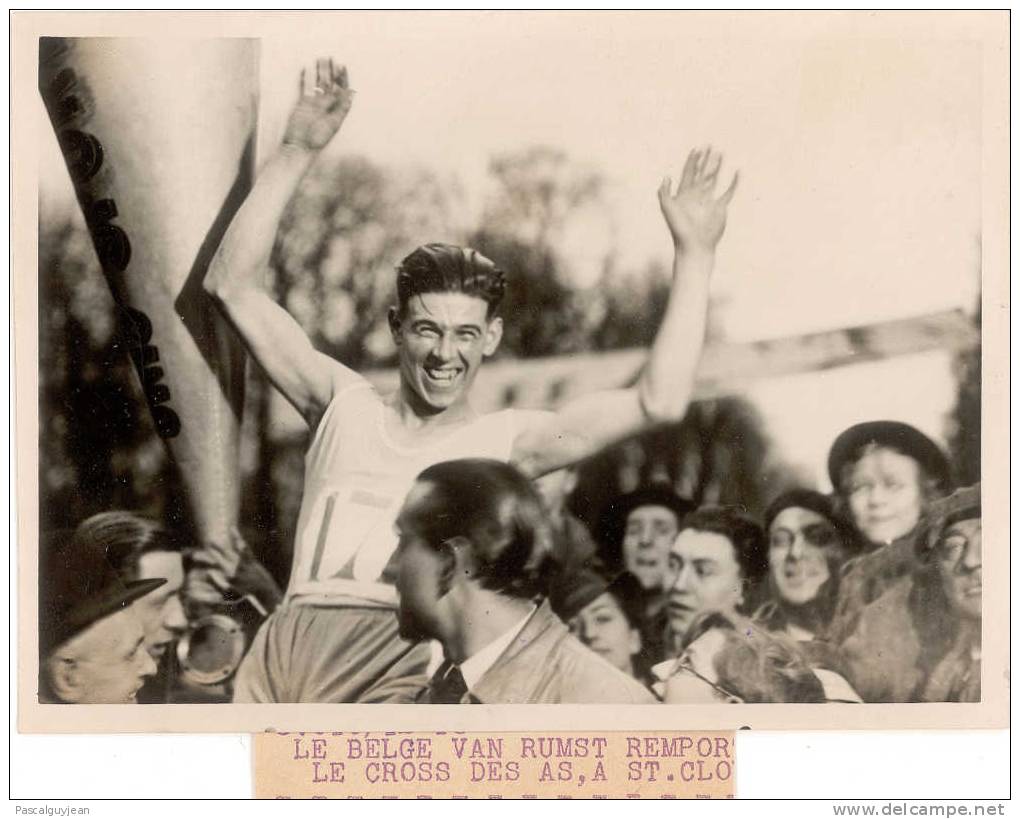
{"x": 236, "y": 276}
{"x": 696, "y": 218}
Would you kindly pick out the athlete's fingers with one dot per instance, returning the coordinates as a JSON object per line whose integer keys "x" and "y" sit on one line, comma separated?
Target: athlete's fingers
{"x": 728, "y": 193}
{"x": 689, "y": 168}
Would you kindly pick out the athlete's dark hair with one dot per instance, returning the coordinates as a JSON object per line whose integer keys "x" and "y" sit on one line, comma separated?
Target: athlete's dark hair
{"x": 442, "y": 268}
{"x": 494, "y": 507}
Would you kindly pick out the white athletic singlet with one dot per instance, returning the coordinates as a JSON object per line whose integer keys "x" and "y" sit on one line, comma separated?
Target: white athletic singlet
{"x": 356, "y": 479}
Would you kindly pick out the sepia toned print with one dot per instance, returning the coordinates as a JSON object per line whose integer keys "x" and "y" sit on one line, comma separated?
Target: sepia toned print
{"x": 496, "y": 416}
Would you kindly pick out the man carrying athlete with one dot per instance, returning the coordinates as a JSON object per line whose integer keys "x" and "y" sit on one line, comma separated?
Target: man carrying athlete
{"x": 334, "y": 639}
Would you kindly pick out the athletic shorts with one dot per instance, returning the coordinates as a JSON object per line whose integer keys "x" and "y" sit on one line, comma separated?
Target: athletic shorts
{"x": 318, "y": 654}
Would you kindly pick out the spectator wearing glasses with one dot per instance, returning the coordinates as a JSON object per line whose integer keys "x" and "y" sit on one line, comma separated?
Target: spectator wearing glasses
{"x": 808, "y": 543}
{"x": 920, "y": 641}
{"x": 728, "y": 659}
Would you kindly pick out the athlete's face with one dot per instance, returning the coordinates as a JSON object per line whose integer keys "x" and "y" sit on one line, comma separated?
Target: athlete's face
{"x": 442, "y": 339}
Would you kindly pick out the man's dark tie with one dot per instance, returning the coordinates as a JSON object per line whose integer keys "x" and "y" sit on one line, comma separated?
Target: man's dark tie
{"x": 447, "y": 686}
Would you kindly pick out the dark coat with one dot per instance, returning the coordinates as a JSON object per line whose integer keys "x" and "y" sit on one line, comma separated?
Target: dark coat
{"x": 866, "y": 578}
{"x": 906, "y": 647}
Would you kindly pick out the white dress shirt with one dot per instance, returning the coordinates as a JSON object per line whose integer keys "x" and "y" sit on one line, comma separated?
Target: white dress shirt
{"x": 475, "y": 666}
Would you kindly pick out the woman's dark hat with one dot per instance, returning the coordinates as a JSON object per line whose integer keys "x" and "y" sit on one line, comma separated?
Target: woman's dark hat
{"x": 894, "y": 435}
{"x": 78, "y": 586}
{"x": 579, "y": 588}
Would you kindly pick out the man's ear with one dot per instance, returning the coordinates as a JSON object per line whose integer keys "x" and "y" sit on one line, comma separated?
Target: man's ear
{"x": 493, "y": 335}
{"x": 393, "y": 317}
{"x": 64, "y": 678}
{"x": 462, "y": 561}
{"x": 451, "y": 557}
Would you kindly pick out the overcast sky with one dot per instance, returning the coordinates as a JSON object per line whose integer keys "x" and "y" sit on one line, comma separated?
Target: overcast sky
{"x": 859, "y": 155}
{"x": 859, "y": 158}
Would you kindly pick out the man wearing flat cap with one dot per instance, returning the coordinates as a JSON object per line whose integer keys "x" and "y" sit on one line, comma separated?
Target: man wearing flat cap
{"x": 91, "y": 641}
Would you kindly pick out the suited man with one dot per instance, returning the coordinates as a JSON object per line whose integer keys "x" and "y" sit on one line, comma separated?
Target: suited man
{"x": 474, "y": 545}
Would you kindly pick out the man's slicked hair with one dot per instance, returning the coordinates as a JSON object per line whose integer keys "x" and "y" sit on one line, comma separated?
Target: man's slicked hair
{"x": 126, "y": 537}
{"x": 442, "y": 268}
{"x": 497, "y": 510}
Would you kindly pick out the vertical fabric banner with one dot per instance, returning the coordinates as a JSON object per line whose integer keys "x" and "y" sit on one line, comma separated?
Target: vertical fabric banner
{"x": 159, "y": 141}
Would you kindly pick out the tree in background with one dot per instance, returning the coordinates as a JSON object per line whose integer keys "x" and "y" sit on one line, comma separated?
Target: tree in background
{"x": 98, "y": 449}
{"x": 348, "y": 226}
{"x": 719, "y": 454}
{"x": 630, "y": 310}
{"x": 965, "y": 422}
{"x": 536, "y": 194}
{"x": 350, "y": 223}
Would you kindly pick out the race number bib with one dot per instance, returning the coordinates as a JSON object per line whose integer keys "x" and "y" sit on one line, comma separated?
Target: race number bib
{"x": 354, "y": 537}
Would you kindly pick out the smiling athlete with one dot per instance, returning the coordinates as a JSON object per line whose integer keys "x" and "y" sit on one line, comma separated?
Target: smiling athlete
{"x": 335, "y": 637}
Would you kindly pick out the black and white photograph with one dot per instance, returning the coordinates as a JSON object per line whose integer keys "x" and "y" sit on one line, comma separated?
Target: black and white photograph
{"x": 633, "y": 360}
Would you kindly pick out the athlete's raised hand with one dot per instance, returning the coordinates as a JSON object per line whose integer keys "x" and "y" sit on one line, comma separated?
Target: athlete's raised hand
{"x": 321, "y": 107}
{"x": 696, "y": 217}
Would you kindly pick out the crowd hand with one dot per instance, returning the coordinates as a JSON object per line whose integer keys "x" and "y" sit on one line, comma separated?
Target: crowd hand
{"x": 320, "y": 109}
{"x": 231, "y": 571}
{"x": 696, "y": 217}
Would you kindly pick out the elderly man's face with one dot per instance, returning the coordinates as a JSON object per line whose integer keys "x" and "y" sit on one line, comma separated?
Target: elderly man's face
{"x": 959, "y": 565}
{"x": 106, "y": 663}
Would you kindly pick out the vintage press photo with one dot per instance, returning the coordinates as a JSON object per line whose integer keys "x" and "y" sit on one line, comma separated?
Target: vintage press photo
{"x": 577, "y": 365}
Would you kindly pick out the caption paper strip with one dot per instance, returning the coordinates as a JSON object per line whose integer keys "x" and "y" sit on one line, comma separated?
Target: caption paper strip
{"x": 451, "y": 765}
